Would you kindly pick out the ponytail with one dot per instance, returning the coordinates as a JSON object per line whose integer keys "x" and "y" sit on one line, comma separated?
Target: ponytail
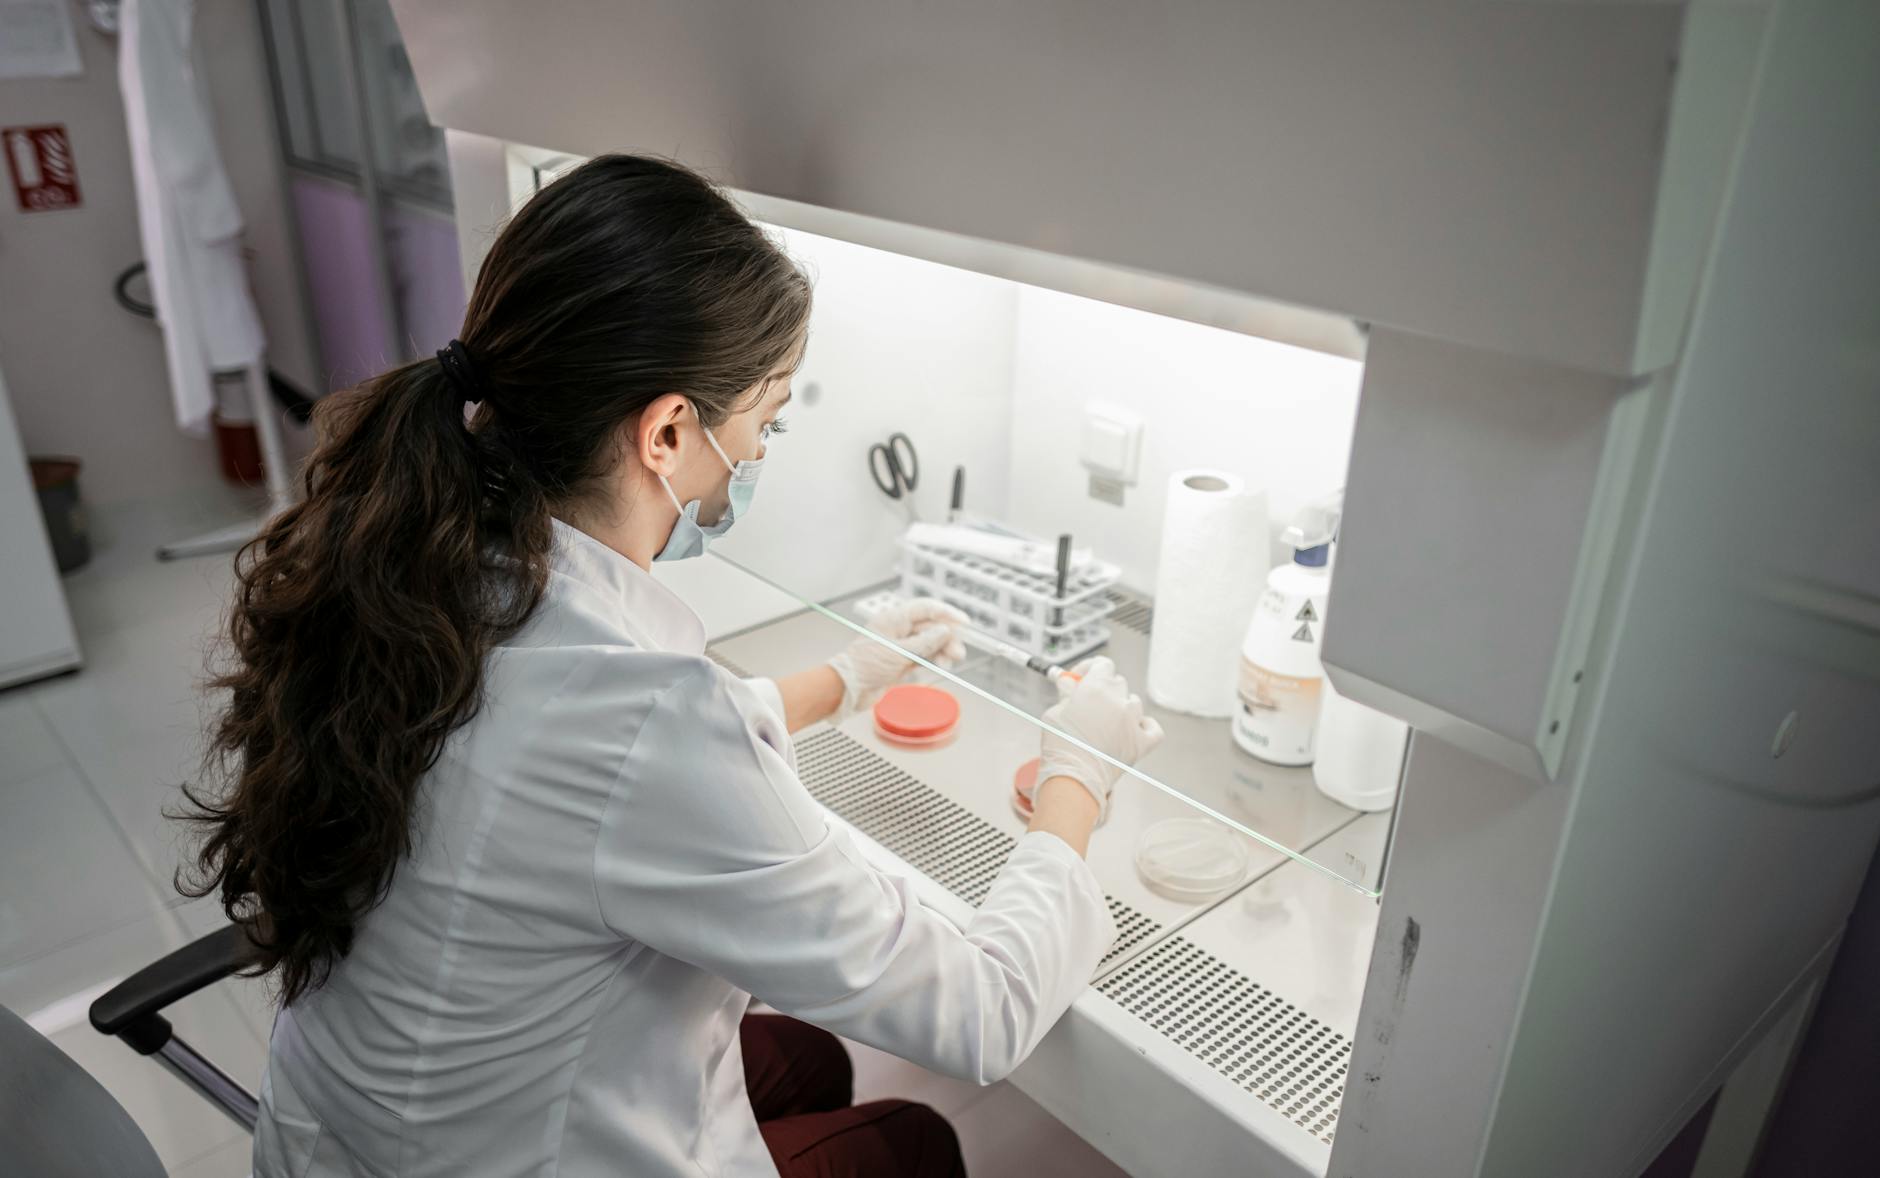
{"x": 356, "y": 641}
{"x": 362, "y": 616}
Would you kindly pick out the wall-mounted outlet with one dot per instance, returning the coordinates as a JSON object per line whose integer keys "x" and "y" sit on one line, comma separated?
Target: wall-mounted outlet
{"x": 1111, "y": 450}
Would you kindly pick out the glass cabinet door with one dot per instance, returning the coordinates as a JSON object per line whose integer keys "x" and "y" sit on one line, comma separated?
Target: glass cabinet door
{"x": 369, "y": 182}
{"x": 935, "y": 397}
{"x": 996, "y": 389}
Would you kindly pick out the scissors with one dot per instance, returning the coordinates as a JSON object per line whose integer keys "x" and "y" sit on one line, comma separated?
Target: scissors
{"x": 895, "y": 466}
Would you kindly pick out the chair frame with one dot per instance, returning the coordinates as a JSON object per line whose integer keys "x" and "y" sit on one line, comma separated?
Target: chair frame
{"x": 133, "y": 1012}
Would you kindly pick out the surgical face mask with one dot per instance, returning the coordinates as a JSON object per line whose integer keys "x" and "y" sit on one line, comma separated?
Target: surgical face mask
{"x": 689, "y": 537}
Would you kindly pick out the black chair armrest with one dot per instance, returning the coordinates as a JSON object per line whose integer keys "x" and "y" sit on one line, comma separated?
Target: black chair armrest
{"x": 131, "y": 1009}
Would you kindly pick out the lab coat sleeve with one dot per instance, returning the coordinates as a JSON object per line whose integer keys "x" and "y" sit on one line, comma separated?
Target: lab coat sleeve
{"x": 771, "y": 695}
{"x": 711, "y": 851}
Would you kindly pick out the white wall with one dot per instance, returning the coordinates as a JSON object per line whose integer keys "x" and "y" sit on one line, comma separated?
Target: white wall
{"x": 234, "y": 61}
{"x": 1279, "y": 416}
{"x": 992, "y": 375}
{"x": 995, "y": 375}
{"x": 87, "y": 377}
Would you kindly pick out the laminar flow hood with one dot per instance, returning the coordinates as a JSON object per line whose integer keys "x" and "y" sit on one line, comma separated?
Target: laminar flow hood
{"x": 1610, "y": 267}
{"x": 1482, "y": 172}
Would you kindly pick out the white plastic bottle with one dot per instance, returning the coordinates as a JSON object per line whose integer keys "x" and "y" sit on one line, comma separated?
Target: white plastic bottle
{"x": 1360, "y": 753}
{"x": 1280, "y": 673}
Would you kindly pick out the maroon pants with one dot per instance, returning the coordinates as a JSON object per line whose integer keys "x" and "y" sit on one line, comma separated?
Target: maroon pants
{"x": 801, "y": 1082}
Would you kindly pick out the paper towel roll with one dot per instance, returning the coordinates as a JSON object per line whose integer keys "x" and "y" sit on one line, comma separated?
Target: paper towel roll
{"x": 1207, "y": 581}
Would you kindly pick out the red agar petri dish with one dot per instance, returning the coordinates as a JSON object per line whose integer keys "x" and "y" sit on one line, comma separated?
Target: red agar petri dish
{"x": 916, "y": 714}
{"x": 1022, "y": 781}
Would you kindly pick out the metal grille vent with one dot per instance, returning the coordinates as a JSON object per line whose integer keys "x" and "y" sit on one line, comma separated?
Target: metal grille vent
{"x": 1271, "y": 1048}
{"x": 945, "y": 841}
{"x": 1135, "y": 613}
{"x": 1132, "y": 929}
{"x": 726, "y": 663}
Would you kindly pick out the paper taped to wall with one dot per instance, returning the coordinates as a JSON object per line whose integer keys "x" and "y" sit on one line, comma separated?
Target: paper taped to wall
{"x": 36, "y": 40}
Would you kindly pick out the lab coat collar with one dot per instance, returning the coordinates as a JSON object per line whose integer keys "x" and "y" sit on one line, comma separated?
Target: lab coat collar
{"x": 653, "y": 615}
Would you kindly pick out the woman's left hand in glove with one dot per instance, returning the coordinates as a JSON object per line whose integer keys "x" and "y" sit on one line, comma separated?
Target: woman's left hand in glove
{"x": 923, "y": 627}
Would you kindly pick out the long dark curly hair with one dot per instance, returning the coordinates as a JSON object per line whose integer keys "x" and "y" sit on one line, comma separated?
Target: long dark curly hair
{"x": 356, "y": 639}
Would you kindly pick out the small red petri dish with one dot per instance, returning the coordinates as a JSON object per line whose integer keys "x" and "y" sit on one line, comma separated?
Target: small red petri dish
{"x": 1025, "y": 778}
{"x": 1022, "y": 781}
{"x": 916, "y": 714}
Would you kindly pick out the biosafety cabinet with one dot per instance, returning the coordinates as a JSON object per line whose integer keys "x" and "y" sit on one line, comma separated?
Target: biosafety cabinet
{"x": 1572, "y": 300}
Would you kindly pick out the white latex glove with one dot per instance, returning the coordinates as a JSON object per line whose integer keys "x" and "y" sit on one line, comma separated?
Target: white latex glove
{"x": 924, "y": 626}
{"x": 1097, "y": 709}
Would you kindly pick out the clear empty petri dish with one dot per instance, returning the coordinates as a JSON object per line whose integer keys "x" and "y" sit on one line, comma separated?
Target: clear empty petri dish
{"x": 1190, "y": 858}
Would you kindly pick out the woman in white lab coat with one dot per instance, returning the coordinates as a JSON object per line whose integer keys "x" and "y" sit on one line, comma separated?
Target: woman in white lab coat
{"x": 519, "y": 855}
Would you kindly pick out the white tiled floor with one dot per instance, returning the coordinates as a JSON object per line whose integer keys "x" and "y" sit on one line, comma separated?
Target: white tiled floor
{"x": 88, "y": 764}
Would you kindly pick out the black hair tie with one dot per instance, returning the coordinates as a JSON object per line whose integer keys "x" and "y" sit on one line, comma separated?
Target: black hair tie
{"x": 464, "y": 379}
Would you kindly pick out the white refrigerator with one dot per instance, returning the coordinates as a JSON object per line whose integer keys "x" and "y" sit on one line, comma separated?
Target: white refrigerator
{"x": 36, "y": 637}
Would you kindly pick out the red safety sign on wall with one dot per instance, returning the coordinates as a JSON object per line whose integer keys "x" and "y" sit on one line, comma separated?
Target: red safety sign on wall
{"x": 40, "y": 160}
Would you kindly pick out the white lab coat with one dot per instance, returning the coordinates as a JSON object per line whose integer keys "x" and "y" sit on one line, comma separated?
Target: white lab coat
{"x": 611, "y": 859}
{"x": 186, "y": 211}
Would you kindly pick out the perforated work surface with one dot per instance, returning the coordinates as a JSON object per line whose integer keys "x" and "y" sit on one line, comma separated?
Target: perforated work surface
{"x": 1135, "y": 613}
{"x": 1279, "y": 1053}
{"x": 950, "y": 844}
{"x": 1132, "y": 929}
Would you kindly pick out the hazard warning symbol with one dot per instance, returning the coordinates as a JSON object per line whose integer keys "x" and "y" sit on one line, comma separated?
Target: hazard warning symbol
{"x": 1306, "y": 613}
{"x": 1303, "y": 633}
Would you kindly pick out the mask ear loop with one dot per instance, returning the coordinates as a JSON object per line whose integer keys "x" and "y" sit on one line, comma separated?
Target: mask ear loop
{"x": 678, "y": 506}
{"x": 722, "y": 456}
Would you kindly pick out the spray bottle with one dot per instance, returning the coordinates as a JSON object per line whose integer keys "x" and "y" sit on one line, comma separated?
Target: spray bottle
{"x": 1281, "y": 677}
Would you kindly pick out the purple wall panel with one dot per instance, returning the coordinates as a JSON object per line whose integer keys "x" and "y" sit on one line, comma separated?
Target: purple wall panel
{"x": 426, "y": 275}
{"x": 336, "y": 243}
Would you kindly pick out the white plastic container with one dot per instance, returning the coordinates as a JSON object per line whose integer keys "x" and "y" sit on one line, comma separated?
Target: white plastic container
{"x": 1360, "y": 753}
{"x": 1281, "y": 677}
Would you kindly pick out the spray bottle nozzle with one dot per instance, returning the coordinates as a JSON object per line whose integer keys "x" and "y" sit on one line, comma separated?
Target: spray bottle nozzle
{"x": 1313, "y": 528}
{"x": 1312, "y": 525}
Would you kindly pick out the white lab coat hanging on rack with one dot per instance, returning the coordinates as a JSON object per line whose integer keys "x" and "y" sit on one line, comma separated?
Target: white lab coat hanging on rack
{"x": 186, "y": 210}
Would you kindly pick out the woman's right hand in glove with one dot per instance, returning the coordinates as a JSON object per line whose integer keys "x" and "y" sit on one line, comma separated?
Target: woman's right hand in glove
{"x": 1096, "y": 708}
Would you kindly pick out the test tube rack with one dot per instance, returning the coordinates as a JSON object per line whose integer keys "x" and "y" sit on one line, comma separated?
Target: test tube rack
{"x": 1016, "y": 605}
